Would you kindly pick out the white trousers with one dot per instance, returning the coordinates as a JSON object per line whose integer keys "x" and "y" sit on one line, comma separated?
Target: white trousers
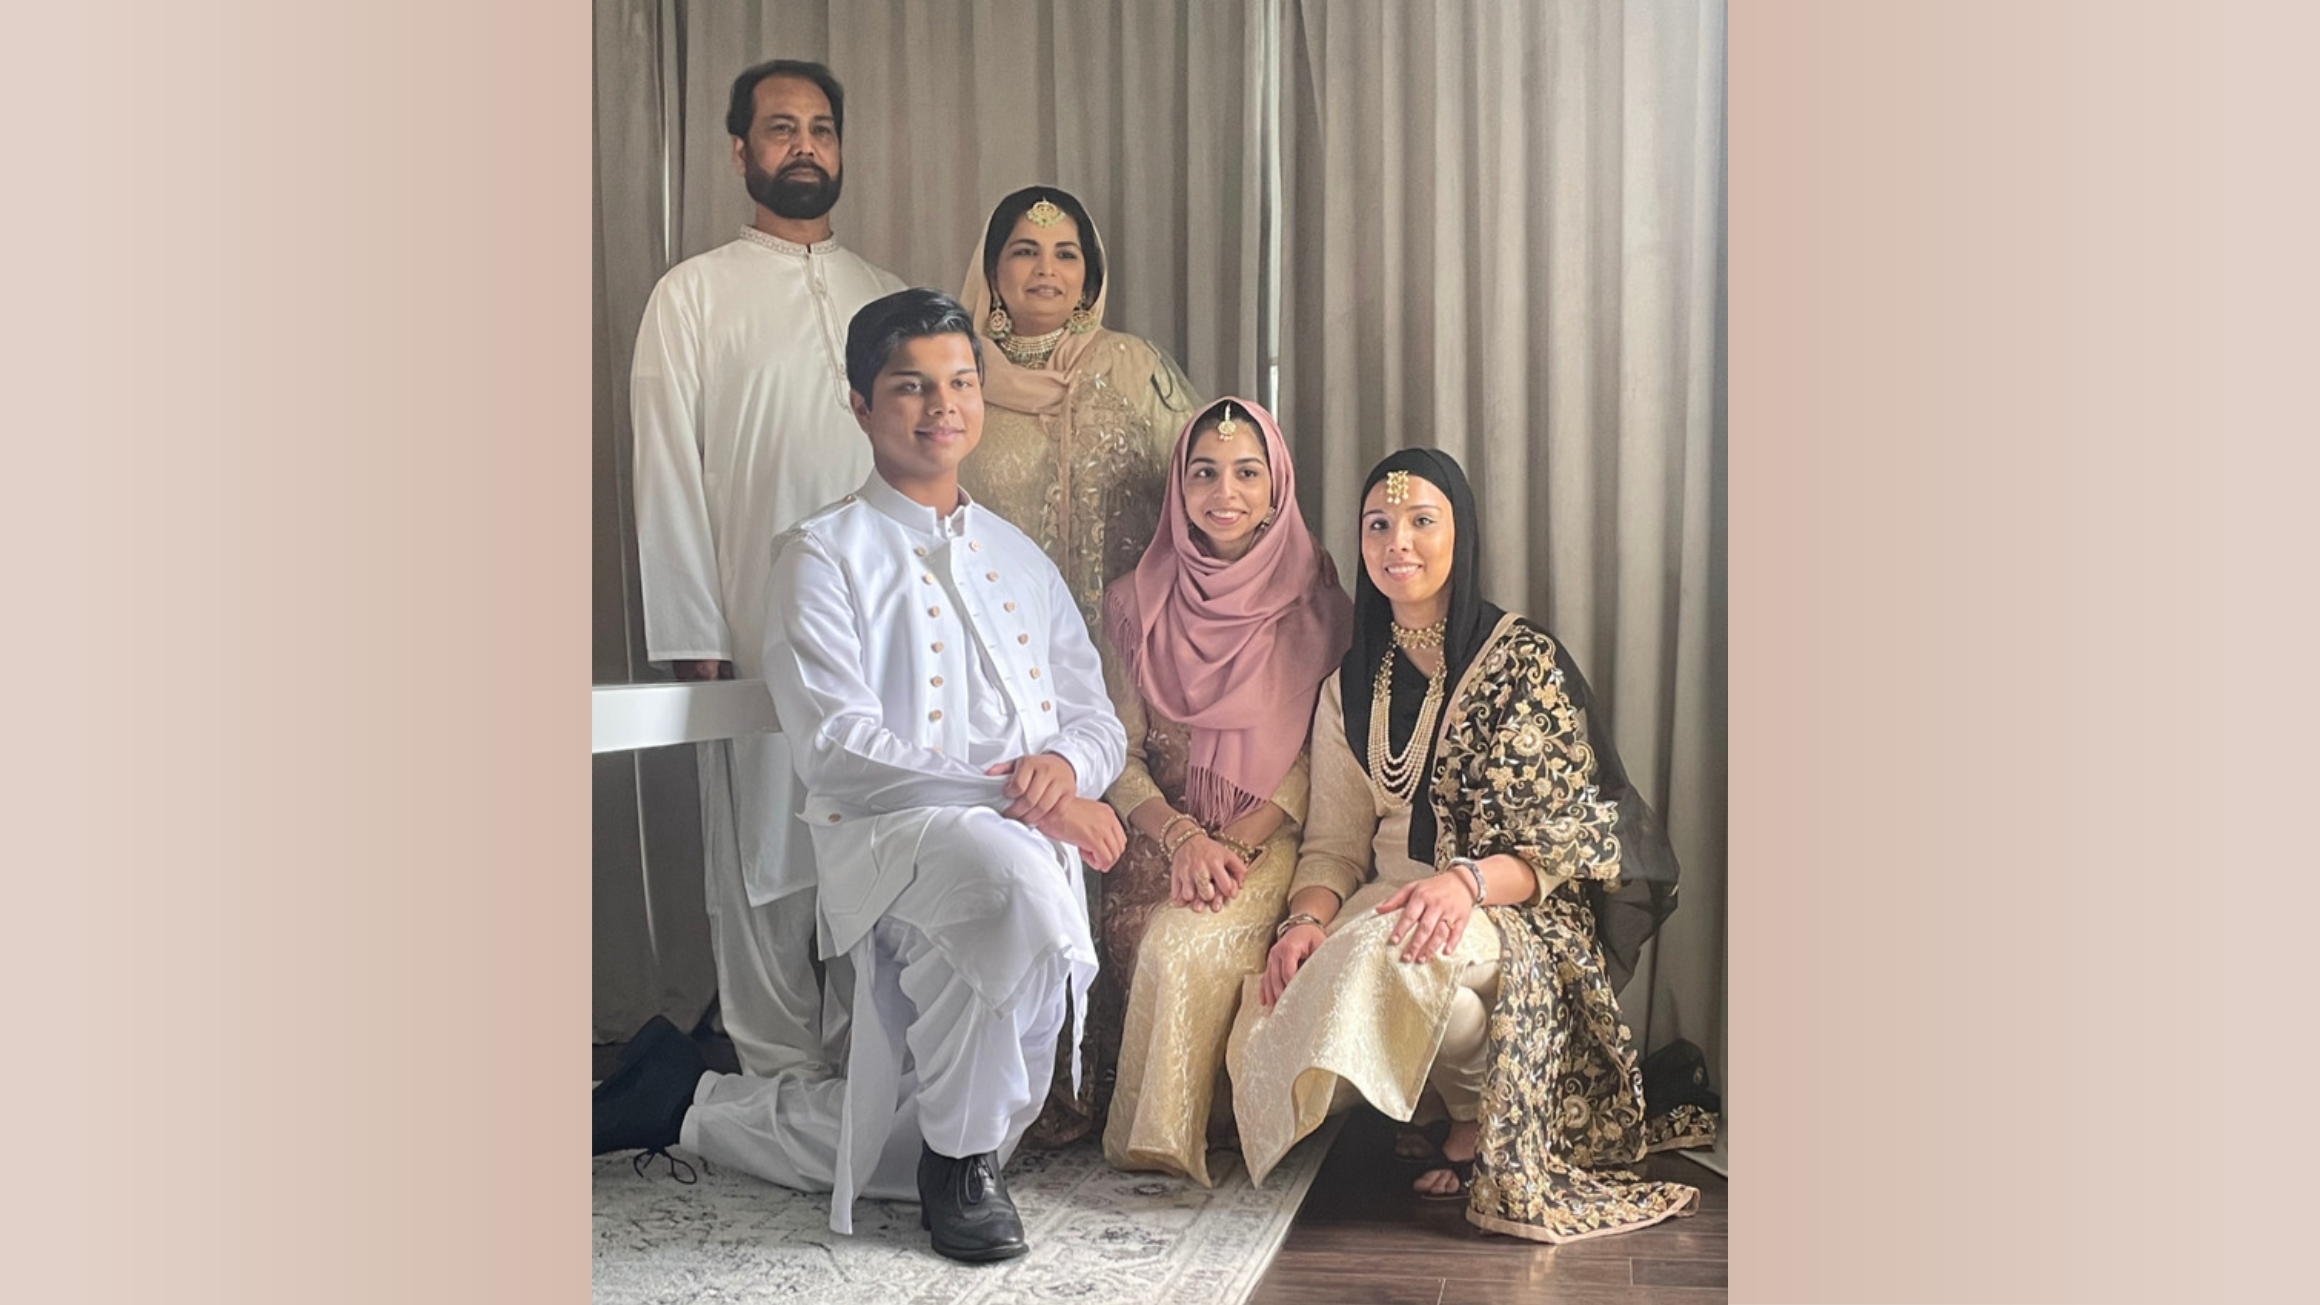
{"x": 769, "y": 991}
{"x": 1463, "y": 1061}
{"x": 954, "y": 1034}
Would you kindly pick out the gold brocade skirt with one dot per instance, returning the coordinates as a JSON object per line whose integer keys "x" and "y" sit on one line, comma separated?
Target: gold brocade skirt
{"x": 1355, "y": 1019}
{"x": 1189, "y": 969}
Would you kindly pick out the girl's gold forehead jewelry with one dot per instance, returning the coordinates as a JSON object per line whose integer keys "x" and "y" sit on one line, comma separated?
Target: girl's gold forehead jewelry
{"x": 1044, "y": 213}
{"x": 1225, "y": 429}
{"x": 1397, "y": 486}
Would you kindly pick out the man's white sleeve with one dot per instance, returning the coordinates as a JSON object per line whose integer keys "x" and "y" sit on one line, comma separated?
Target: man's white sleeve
{"x": 684, "y": 619}
{"x": 839, "y": 741}
{"x": 1091, "y": 738}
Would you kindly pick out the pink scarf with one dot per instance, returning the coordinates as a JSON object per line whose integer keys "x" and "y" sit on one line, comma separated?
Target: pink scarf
{"x": 1039, "y": 391}
{"x": 1235, "y": 650}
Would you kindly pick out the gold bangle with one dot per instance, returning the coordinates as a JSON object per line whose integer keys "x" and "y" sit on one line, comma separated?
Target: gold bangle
{"x": 1178, "y": 846}
{"x": 1162, "y": 837}
{"x": 1248, "y": 854}
{"x": 1282, "y": 929}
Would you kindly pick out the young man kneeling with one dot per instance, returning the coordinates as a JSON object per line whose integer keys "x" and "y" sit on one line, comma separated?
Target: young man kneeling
{"x": 948, "y": 718}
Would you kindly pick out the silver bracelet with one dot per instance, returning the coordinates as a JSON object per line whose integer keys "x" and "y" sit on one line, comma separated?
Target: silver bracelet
{"x": 1282, "y": 929}
{"x": 1473, "y": 868}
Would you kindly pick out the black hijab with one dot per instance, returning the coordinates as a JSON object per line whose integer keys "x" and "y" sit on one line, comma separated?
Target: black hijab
{"x": 1625, "y": 917}
{"x": 1471, "y": 621}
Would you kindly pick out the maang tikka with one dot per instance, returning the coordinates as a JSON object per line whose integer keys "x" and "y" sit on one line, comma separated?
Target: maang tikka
{"x": 1227, "y": 428}
{"x": 1397, "y": 486}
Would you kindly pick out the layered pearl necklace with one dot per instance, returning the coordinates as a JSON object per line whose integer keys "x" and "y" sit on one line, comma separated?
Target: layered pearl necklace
{"x": 1399, "y": 776}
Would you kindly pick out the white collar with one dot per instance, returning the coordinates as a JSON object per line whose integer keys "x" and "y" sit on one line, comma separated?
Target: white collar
{"x": 781, "y": 246}
{"x": 915, "y": 516}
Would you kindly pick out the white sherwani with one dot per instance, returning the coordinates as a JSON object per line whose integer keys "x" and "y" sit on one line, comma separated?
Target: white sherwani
{"x": 742, "y": 428}
{"x": 908, "y": 652}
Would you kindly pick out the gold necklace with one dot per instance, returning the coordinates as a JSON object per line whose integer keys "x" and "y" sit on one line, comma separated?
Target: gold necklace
{"x": 1429, "y": 636}
{"x": 1400, "y": 776}
{"x": 1031, "y": 350}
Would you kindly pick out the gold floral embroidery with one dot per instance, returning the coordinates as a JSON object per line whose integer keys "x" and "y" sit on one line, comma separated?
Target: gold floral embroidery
{"x": 1086, "y": 482}
{"x": 1563, "y": 1102}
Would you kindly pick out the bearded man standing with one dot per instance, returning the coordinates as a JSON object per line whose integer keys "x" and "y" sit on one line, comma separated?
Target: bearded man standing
{"x": 743, "y": 426}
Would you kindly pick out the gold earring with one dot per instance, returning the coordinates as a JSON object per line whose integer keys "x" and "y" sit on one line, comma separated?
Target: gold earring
{"x": 1001, "y": 324}
{"x": 1081, "y": 320}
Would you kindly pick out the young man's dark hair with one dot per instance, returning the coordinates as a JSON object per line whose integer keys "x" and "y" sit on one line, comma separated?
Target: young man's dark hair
{"x": 885, "y": 323}
{"x": 743, "y": 106}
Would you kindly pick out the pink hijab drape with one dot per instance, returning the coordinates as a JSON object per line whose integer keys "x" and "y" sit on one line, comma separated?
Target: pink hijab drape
{"x": 1038, "y": 391}
{"x": 1235, "y": 650}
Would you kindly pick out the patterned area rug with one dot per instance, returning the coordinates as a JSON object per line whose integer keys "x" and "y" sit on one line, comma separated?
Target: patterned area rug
{"x": 1097, "y": 1235}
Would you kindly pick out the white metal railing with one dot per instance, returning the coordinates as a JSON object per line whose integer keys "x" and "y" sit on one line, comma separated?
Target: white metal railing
{"x": 625, "y": 717}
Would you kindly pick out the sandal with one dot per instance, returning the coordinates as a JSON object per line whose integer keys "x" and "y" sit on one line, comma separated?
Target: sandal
{"x": 1462, "y": 1170}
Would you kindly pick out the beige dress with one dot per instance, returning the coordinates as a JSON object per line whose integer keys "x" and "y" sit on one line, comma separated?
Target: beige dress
{"x": 1086, "y": 481}
{"x": 1355, "y": 1011}
{"x": 1174, "y": 973}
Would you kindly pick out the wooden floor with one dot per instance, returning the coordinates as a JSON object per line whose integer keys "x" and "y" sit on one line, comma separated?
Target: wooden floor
{"x": 1363, "y": 1238}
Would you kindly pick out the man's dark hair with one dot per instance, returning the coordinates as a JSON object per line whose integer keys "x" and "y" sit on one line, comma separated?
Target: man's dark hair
{"x": 1012, "y": 209}
{"x": 743, "y": 109}
{"x": 883, "y": 324}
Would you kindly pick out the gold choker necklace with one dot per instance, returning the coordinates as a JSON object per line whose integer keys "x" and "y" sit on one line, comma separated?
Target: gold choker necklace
{"x": 1031, "y": 350}
{"x": 1424, "y": 637}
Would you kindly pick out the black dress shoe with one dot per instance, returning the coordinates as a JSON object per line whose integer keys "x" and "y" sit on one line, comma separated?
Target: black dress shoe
{"x": 654, "y": 1030}
{"x": 643, "y": 1104}
{"x": 966, "y": 1207}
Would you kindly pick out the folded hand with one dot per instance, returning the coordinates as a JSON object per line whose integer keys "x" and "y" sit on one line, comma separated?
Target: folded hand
{"x": 1091, "y": 826}
{"x": 1039, "y": 784}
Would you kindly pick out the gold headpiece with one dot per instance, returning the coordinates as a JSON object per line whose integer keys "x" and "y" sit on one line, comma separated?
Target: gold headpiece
{"x": 1044, "y": 213}
{"x": 1225, "y": 429}
{"x": 1397, "y": 486}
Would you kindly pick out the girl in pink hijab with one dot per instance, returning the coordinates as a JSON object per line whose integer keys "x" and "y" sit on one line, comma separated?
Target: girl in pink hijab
{"x": 1214, "y": 649}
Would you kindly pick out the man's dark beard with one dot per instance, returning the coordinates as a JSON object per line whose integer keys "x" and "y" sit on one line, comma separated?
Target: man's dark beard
{"x": 802, "y": 193}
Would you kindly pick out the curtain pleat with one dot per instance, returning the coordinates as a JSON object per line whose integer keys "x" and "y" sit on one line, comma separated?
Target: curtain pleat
{"x": 649, "y": 927}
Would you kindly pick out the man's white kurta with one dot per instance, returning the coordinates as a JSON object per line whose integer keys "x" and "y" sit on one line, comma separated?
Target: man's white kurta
{"x": 742, "y": 428}
{"x": 889, "y": 622}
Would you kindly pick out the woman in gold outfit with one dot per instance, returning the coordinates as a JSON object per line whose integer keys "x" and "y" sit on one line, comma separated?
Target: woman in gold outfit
{"x": 1078, "y": 420}
{"x": 1214, "y": 649}
{"x": 1078, "y": 425}
{"x": 1475, "y": 878}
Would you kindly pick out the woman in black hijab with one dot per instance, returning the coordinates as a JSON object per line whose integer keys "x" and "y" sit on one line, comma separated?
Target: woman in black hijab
{"x": 1475, "y": 879}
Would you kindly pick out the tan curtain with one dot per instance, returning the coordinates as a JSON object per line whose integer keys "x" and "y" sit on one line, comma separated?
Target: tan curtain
{"x": 1506, "y": 239}
{"x": 649, "y": 927}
